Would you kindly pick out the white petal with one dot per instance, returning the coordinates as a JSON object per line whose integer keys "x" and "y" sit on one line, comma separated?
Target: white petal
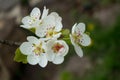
{"x": 43, "y": 60}
{"x": 45, "y": 13}
{"x": 58, "y": 60}
{"x": 33, "y": 59}
{"x": 27, "y": 20}
{"x": 40, "y": 31}
{"x": 80, "y": 28}
{"x": 51, "y": 42}
{"x": 58, "y": 26}
{"x": 26, "y": 48}
{"x": 33, "y": 39}
{"x": 58, "y": 21}
{"x": 54, "y": 14}
{"x": 72, "y": 40}
{"x": 64, "y": 51}
{"x": 35, "y": 13}
{"x": 43, "y": 39}
{"x": 73, "y": 28}
{"x": 50, "y": 55}
{"x": 78, "y": 50}
{"x": 49, "y": 21}
{"x": 57, "y": 35}
{"x": 85, "y": 40}
{"x": 27, "y": 26}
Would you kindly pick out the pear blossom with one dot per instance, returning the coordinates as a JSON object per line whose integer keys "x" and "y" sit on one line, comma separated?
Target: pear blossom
{"x": 32, "y": 20}
{"x": 79, "y": 38}
{"x": 46, "y": 25}
{"x": 56, "y": 50}
{"x": 50, "y": 26}
{"x": 35, "y": 50}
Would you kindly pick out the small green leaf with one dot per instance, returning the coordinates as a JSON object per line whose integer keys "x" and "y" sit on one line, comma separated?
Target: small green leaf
{"x": 19, "y": 57}
{"x": 32, "y": 30}
{"x": 65, "y": 35}
{"x": 65, "y": 32}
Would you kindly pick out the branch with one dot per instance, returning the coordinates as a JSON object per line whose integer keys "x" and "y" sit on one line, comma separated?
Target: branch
{"x": 10, "y": 43}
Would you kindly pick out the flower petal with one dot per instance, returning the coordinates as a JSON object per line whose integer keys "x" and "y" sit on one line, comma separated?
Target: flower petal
{"x": 40, "y": 31}
{"x": 48, "y": 22}
{"x": 45, "y": 12}
{"x": 54, "y": 14}
{"x": 26, "y": 48}
{"x": 43, "y": 60}
{"x": 58, "y": 21}
{"x": 33, "y": 59}
{"x": 26, "y": 26}
{"x": 80, "y": 28}
{"x": 57, "y": 35}
{"x": 78, "y": 50}
{"x": 27, "y": 20}
{"x": 50, "y": 54}
{"x": 58, "y": 60}
{"x": 85, "y": 40}
{"x": 35, "y": 13}
{"x": 72, "y": 40}
{"x": 33, "y": 39}
{"x": 65, "y": 50}
{"x": 73, "y": 28}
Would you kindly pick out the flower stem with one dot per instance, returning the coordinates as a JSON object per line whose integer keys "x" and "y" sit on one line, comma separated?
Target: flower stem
{"x": 10, "y": 43}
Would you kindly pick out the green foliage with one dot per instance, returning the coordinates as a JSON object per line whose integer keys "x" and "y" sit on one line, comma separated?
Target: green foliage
{"x": 65, "y": 32}
{"x": 106, "y": 45}
{"x": 19, "y": 57}
{"x": 32, "y": 30}
{"x": 104, "y": 53}
{"x": 66, "y": 76}
{"x": 65, "y": 35}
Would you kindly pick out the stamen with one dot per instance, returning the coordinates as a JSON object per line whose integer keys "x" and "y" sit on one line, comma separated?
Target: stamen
{"x": 57, "y": 47}
{"x": 38, "y": 49}
{"x": 77, "y": 37}
{"x": 50, "y": 32}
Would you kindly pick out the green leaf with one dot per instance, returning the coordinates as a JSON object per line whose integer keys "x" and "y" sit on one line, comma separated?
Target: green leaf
{"x": 65, "y": 32}
{"x": 19, "y": 57}
{"x": 65, "y": 35}
{"x": 32, "y": 30}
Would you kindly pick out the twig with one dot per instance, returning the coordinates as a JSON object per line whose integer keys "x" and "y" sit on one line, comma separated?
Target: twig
{"x": 10, "y": 43}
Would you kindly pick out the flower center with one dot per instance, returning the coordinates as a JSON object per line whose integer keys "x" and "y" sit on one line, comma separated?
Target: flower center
{"x": 50, "y": 32}
{"x": 77, "y": 37}
{"x": 57, "y": 47}
{"x": 38, "y": 49}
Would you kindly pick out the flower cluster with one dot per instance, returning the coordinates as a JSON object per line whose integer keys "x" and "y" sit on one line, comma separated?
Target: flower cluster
{"x": 49, "y": 46}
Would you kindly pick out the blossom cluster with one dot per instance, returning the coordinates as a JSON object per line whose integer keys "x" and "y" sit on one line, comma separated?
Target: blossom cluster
{"x": 48, "y": 46}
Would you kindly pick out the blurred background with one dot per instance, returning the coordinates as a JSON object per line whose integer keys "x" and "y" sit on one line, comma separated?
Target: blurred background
{"x": 101, "y": 60}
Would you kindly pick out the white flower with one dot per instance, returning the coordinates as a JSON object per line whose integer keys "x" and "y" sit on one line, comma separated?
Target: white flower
{"x": 35, "y": 51}
{"x": 50, "y": 26}
{"x": 56, "y": 50}
{"x": 47, "y": 26}
{"x": 79, "y": 38}
{"x": 32, "y": 20}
